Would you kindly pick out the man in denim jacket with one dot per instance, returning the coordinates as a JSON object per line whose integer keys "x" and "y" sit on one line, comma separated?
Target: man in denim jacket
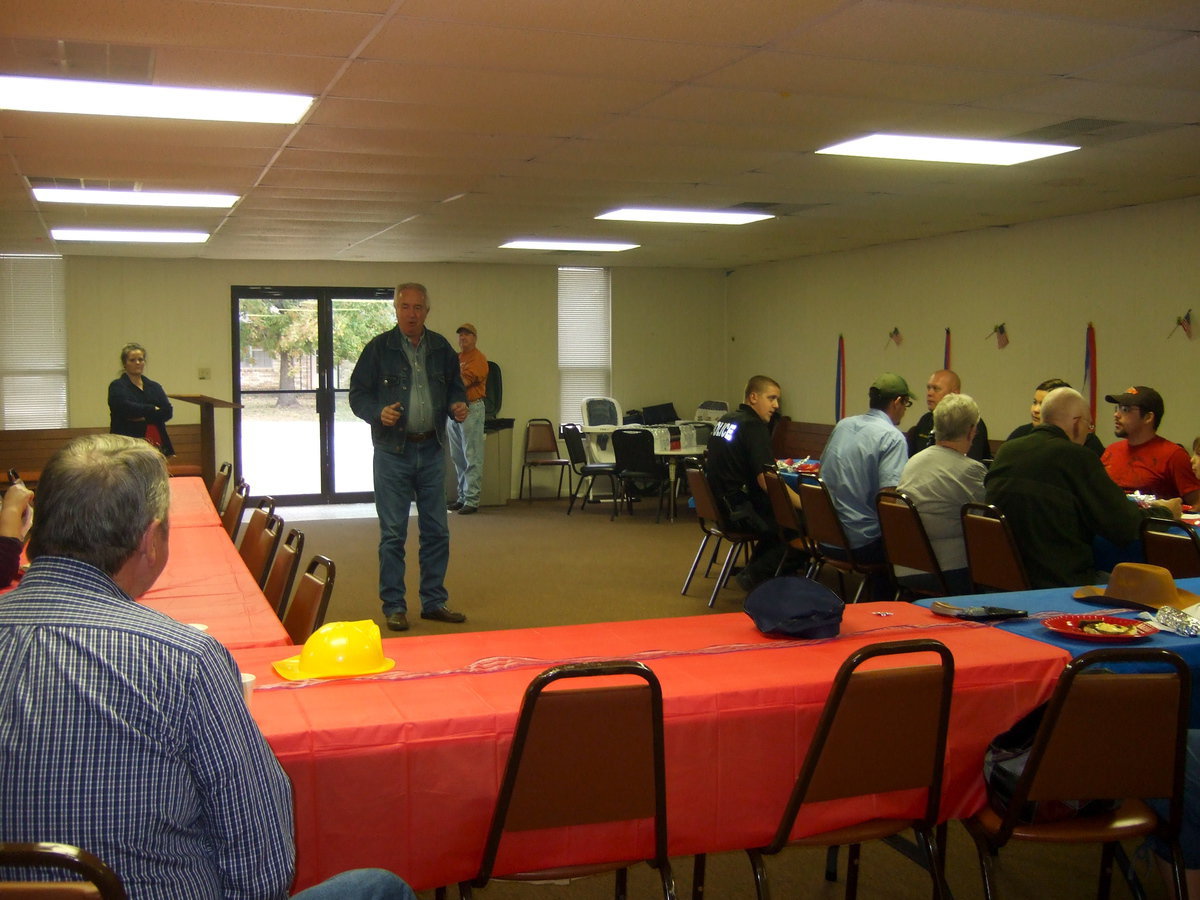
{"x": 405, "y": 383}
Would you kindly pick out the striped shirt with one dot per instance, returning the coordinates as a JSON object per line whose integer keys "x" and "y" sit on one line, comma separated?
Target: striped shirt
{"x": 125, "y": 733}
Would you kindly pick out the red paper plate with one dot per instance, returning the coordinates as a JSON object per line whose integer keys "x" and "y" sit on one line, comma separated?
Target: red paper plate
{"x": 1072, "y": 626}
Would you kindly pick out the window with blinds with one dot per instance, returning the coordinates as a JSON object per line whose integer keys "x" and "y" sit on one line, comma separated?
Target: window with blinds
{"x": 33, "y": 343}
{"x": 584, "y": 342}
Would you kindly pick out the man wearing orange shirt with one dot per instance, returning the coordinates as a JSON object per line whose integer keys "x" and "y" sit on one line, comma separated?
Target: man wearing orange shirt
{"x": 466, "y": 437}
{"x": 1143, "y": 461}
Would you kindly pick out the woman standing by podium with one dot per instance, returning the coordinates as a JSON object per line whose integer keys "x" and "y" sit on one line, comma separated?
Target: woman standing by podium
{"x": 138, "y": 407}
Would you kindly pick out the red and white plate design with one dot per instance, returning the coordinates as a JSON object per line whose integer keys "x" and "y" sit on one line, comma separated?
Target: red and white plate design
{"x": 1072, "y": 626}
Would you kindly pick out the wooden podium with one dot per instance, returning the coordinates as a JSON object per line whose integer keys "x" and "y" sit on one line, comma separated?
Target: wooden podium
{"x": 208, "y": 443}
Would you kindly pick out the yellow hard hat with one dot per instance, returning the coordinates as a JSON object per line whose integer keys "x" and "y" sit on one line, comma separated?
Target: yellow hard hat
{"x": 338, "y": 650}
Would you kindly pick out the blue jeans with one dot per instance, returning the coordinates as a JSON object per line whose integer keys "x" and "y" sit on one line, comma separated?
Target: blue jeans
{"x": 417, "y": 474}
{"x": 1189, "y": 835}
{"x": 466, "y": 449}
{"x": 360, "y": 884}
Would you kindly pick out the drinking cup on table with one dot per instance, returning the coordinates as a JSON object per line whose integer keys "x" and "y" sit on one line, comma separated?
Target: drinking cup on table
{"x": 248, "y": 686}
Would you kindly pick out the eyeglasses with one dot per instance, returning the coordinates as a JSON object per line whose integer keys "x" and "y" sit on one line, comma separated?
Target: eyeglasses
{"x": 907, "y": 401}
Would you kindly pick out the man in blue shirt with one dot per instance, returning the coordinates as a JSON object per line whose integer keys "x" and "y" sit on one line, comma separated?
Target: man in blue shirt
{"x": 865, "y": 454}
{"x": 123, "y": 731}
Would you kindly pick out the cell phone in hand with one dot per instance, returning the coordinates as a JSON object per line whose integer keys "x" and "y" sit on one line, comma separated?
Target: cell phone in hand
{"x": 14, "y": 477}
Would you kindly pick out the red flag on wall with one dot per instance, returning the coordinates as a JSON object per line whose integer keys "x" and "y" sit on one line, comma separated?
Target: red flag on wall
{"x": 839, "y": 382}
{"x": 1089, "y": 369}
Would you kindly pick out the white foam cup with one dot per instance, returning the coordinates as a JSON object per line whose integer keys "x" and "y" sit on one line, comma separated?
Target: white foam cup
{"x": 248, "y": 681}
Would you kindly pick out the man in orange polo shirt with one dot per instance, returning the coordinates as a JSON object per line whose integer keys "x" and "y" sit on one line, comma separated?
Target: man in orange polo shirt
{"x": 1143, "y": 461}
{"x": 466, "y": 437}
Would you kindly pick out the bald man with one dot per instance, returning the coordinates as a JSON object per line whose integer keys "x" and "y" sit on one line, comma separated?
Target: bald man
{"x": 942, "y": 383}
{"x": 1058, "y": 498}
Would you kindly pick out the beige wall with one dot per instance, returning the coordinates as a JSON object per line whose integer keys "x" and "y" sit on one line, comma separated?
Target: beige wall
{"x": 664, "y": 345}
{"x": 1131, "y": 272}
{"x": 691, "y": 335}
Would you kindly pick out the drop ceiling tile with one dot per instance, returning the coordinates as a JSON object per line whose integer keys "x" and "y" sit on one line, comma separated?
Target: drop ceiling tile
{"x": 796, "y": 73}
{"x": 969, "y": 38}
{"x": 248, "y": 27}
{"x": 696, "y": 21}
{"x": 440, "y": 43}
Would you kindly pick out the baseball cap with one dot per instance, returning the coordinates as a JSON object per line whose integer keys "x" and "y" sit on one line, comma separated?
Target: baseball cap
{"x": 889, "y": 384}
{"x": 1145, "y": 397}
{"x": 467, "y": 327}
{"x": 790, "y": 606}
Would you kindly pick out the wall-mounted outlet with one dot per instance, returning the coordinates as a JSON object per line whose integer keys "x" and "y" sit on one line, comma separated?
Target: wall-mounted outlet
{"x": 205, "y": 374}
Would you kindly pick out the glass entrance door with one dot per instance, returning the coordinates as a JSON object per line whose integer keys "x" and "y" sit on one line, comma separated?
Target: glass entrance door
{"x": 295, "y": 437}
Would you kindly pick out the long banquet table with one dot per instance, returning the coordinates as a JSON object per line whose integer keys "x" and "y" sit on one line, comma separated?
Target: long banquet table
{"x": 401, "y": 769}
{"x": 1042, "y": 604}
{"x": 205, "y": 580}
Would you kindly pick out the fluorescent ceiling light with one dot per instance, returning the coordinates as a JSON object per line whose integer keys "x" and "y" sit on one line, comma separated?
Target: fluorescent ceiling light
{"x": 684, "y": 216}
{"x": 934, "y": 149}
{"x": 134, "y": 198}
{"x": 129, "y": 237}
{"x": 103, "y": 98}
{"x": 593, "y": 246}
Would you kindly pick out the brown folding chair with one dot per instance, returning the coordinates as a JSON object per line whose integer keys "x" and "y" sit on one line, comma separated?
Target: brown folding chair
{"x": 825, "y": 530}
{"x": 583, "y": 756}
{"x": 906, "y": 544}
{"x": 1118, "y": 735}
{"x": 881, "y": 730}
{"x": 283, "y": 570}
{"x": 100, "y": 881}
{"x": 791, "y": 527}
{"x": 992, "y": 555}
{"x": 306, "y": 613}
{"x": 541, "y": 451}
{"x": 1164, "y": 546}
{"x": 261, "y": 539}
{"x": 713, "y": 524}
{"x": 231, "y": 516}
{"x": 220, "y": 485}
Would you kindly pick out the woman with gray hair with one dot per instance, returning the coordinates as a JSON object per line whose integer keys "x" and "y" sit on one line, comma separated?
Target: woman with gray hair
{"x": 939, "y": 480}
{"x": 137, "y": 406}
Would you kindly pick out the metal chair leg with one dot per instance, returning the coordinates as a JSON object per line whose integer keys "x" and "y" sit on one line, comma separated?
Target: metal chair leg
{"x": 695, "y": 563}
{"x": 698, "y": 866}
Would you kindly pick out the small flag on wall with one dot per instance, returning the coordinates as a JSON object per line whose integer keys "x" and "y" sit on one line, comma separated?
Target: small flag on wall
{"x": 946, "y": 352}
{"x": 839, "y": 382}
{"x": 1184, "y": 322}
{"x": 1001, "y": 334}
{"x": 1090, "y": 369}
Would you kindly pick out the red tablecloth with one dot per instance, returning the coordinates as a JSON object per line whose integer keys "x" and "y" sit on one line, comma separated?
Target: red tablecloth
{"x": 401, "y": 769}
{"x": 205, "y": 580}
{"x": 191, "y": 505}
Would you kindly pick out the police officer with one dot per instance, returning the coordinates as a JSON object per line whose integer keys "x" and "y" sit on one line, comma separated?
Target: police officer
{"x": 738, "y": 450}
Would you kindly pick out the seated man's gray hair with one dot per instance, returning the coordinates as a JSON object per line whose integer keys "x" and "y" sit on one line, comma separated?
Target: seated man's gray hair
{"x": 953, "y": 417}
{"x": 95, "y": 499}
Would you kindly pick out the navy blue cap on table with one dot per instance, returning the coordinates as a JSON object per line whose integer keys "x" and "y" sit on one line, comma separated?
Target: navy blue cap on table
{"x": 791, "y": 606}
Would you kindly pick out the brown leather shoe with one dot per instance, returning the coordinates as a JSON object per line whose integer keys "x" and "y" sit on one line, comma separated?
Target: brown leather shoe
{"x": 442, "y": 614}
{"x": 397, "y": 622}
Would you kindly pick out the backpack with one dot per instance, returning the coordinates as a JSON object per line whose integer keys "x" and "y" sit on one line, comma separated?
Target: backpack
{"x": 1005, "y": 760}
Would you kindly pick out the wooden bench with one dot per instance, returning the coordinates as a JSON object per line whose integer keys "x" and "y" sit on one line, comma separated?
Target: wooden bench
{"x": 798, "y": 440}
{"x": 29, "y": 449}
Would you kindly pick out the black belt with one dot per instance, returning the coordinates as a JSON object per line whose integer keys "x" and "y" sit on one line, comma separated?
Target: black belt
{"x": 423, "y": 436}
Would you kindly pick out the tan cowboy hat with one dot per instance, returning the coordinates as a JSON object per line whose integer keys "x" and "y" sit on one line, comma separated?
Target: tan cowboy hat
{"x": 1139, "y": 586}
